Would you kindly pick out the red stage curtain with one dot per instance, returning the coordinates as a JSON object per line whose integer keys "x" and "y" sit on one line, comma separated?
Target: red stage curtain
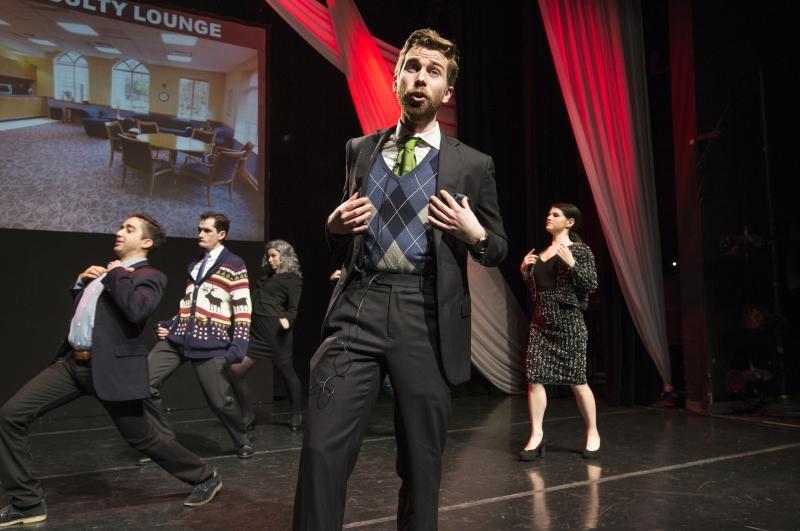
{"x": 598, "y": 52}
{"x": 369, "y": 80}
{"x": 340, "y": 35}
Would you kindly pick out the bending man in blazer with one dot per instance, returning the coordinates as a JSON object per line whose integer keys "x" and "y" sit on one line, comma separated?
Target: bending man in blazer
{"x": 102, "y": 356}
{"x": 416, "y": 203}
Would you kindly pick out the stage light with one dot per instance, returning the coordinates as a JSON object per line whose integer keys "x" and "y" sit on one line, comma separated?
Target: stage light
{"x": 42, "y": 42}
{"x": 177, "y": 39}
{"x": 78, "y": 29}
{"x": 106, "y": 49}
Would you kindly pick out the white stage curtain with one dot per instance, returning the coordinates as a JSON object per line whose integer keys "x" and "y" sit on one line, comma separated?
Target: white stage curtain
{"x": 598, "y": 51}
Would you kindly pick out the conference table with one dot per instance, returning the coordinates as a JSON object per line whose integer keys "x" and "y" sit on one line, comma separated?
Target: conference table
{"x": 174, "y": 144}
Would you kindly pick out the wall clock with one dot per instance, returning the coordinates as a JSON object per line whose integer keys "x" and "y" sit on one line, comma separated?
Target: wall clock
{"x": 163, "y": 95}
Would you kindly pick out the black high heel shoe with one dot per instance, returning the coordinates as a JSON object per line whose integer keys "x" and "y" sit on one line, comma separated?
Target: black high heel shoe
{"x": 591, "y": 454}
{"x": 534, "y": 453}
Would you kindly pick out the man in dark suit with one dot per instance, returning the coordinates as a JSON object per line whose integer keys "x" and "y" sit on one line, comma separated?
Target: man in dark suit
{"x": 416, "y": 202}
{"x": 102, "y": 356}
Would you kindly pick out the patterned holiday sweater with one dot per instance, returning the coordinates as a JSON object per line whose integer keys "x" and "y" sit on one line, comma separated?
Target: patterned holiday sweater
{"x": 214, "y": 314}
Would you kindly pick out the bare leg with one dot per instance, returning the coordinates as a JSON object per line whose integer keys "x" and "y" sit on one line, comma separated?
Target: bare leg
{"x": 537, "y": 403}
{"x": 585, "y": 400}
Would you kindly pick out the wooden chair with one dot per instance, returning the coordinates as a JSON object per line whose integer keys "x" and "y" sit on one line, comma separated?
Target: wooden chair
{"x": 147, "y": 128}
{"x": 203, "y": 135}
{"x": 114, "y": 130}
{"x": 221, "y": 171}
{"x": 242, "y": 171}
{"x": 138, "y": 155}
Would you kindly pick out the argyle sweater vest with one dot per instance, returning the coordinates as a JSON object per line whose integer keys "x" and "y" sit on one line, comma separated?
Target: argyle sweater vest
{"x": 399, "y": 236}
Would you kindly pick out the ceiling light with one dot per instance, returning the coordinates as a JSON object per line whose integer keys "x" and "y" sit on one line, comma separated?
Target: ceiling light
{"x": 79, "y": 29}
{"x": 180, "y": 58}
{"x": 42, "y": 42}
{"x": 108, "y": 49}
{"x": 178, "y": 39}
{"x": 4, "y": 23}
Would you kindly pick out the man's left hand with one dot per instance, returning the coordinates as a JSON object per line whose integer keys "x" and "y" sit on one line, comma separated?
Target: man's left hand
{"x": 458, "y": 220}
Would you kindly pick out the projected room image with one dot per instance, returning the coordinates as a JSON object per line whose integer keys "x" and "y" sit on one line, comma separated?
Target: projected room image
{"x": 101, "y": 116}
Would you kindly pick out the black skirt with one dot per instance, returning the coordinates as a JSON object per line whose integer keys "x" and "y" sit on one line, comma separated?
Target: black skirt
{"x": 268, "y": 340}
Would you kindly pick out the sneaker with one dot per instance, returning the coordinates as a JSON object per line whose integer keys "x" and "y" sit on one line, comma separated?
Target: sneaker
{"x": 204, "y": 492}
{"x": 10, "y": 515}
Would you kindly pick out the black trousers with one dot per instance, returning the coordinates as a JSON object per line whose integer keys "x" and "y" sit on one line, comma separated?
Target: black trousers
{"x": 386, "y": 322}
{"x": 212, "y": 373}
{"x": 60, "y": 383}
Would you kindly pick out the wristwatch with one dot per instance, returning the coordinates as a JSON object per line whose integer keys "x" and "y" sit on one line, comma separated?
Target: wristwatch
{"x": 478, "y": 249}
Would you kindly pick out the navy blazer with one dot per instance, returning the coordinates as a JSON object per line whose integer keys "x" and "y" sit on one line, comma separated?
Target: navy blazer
{"x": 119, "y": 357}
{"x": 464, "y": 170}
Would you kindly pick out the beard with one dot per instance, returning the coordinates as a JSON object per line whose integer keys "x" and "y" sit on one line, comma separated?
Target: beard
{"x": 423, "y": 110}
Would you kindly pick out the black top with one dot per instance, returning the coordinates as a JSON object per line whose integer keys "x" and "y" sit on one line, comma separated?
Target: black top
{"x": 277, "y": 295}
{"x": 545, "y": 274}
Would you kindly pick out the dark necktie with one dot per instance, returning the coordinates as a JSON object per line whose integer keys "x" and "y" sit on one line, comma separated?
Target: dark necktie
{"x": 202, "y": 268}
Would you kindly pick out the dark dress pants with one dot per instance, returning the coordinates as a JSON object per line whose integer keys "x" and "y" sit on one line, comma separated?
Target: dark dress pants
{"x": 388, "y": 323}
{"x": 60, "y": 383}
{"x": 212, "y": 373}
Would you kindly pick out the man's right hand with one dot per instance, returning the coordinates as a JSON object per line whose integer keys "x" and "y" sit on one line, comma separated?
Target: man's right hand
{"x": 161, "y": 332}
{"x": 351, "y": 217}
{"x": 91, "y": 273}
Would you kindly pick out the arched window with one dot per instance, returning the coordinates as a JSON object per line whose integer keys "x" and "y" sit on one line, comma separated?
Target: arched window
{"x": 130, "y": 86}
{"x": 71, "y": 77}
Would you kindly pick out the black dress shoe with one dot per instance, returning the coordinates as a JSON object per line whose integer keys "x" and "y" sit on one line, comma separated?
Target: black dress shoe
{"x": 245, "y": 451}
{"x": 296, "y": 422}
{"x": 534, "y": 453}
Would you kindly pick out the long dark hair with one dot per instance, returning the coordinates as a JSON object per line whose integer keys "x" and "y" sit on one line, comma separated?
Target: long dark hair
{"x": 571, "y": 212}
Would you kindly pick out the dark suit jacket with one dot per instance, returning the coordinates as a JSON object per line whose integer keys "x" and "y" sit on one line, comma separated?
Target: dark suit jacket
{"x": 119, "y": 357}
{"x": 464, "y": 170}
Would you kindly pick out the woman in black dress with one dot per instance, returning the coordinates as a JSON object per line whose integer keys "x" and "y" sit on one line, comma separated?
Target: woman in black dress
{"x": 560, "y": 280}
{"x": 275, "y": 296}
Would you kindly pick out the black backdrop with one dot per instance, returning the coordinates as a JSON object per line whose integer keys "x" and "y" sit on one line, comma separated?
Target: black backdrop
{"x": 510, "y": 106}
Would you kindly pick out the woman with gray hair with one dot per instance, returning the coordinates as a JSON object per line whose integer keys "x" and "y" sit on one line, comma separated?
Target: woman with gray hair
{"x": 275, "y": 298}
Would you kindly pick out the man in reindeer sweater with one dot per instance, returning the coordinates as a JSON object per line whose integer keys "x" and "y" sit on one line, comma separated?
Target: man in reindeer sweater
{"x": 211, "y": 330}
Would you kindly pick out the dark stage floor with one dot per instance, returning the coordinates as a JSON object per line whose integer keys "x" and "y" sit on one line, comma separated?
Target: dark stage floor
{"x": 661, "y": 469}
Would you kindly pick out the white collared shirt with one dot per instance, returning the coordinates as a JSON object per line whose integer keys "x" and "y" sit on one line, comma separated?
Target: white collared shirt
{"x": 213, "y": 254}
{"x": 429, "y": 139}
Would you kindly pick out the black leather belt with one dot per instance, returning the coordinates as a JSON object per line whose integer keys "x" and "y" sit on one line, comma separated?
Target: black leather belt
{"x": 423, "y": 282}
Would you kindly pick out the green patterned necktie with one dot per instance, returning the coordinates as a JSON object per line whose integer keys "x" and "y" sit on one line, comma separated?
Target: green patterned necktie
{"x": 406, "y": 161}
